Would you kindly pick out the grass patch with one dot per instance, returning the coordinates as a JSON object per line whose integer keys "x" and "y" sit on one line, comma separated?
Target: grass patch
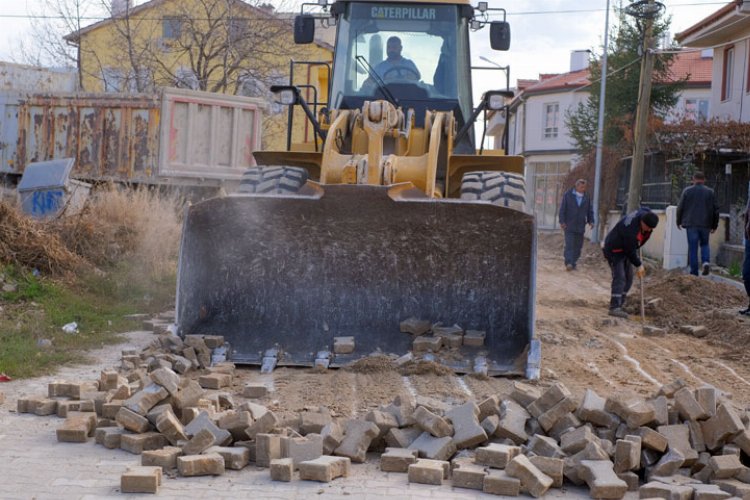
{"x": 97, "y": 302}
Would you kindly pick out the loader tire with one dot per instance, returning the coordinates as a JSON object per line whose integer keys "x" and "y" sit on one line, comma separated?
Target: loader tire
{"x": 273, "y": 180}
{"x": 499, "y": 188}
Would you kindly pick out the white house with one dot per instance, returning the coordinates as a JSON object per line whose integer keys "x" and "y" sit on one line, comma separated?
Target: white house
{"x": 727, "y": 32}
{"x": 536, "y": 125}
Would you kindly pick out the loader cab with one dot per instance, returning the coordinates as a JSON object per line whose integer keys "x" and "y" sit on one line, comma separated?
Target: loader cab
{"x": 434, "y": 39}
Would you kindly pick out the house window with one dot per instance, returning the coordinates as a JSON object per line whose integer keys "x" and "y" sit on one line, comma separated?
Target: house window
{"x": 237, "y": 29}
{"x": 551, "y": 117}
{"x": 696, "y": 109}
{"x": 726, "y": 77}
{"x": 171, "y": 28}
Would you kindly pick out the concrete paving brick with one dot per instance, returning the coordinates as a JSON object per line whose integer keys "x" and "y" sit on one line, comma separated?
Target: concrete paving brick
{"x": 415, "y": 326}
{"x": 525, "y": 394}
{"x": 213, "y": 341}
{"x": 188, "y": 394}
{"x": 546, "y": 446}
{"x": 496, "y": 455}
{"x": 634, "y": 412}
{"x": 199, "y": 442}
{"x": 397, "y": 459}
{"x": 498, "y": 482}
{"x": 592, "y": 410}
{"x": 343, "y": 345}
{"x": 651, "y": 439}
{"x": 709, "y": 492}
{"x": 333, "y": 433}
{"x": 432, "y": 423}
{"x": 215, "y": 380}
{"x": 426, "y": 472}
{"x": 534, "y": 481}
{"x": 668, "y": 464}
{"x": 237, "y": 423}
{"x": 602, "y": 480}
{"x": 696, "y": 436}
{"x": 512, "y": 424}
{"x": 433, "y": 448}
{"x": 678, "y": 437}
{"x": 722, "y": 427}
{"x": 76, "y": 428}
{"x": 254, "y": 390}
{"x": 402, "y": 409}
{"x": 138, "y": 443}
{"x": 170, "y": 426}
{"x": 661, "y": 410}
{"x": 121, "y": 393}
{"x": 688, "y": 407}
{"x": 131, "y": 420}
{"x": 574, "y": 441}
{"x": 627, "y": 454}
{"x": 282, "y": 469}
{"x": 324, "y": 468}
{"x": 203, "y": 421}
{"x": 302, "y": 449}
{"x": 468, "y": 476}
{"x": 669, "y": 389}
{"x": 63, "y": 407}
{"x": 631, "y": 479}
{"x": 109, "y": 410}
{"x": 566, "y": 423}
{"x": 264, "y": 423}
{"x": 572, "y": 464}
{"x": 200, "y": 465}
{"x": 733, "y": 487}
{"x": 235, "y": 457}
{"x": 166, "y": 378}
{"x": 166, "y": 457}
{"x": 489, "y": 406}
{"x": 725, "y": 466}
{"x": 490, "y": 425}
{"x": 549, "y": 418}
{"x": 553, "y": 467}
{"x": 742, "y": 440}
{"x": 141, "y": 480}
{"x": 467, "y": 433}
{"x": 109, "y": 437}
{"x": 145, "y": 399}
{"x": 474, "y": 338}
{"x": 707, "y": 397}
{"x": 656, "y": 489}
{"x": 385, "y": 421}
{"x": 427, "y": 344}
{"x": 402, "y": 438}
{"x": 267, "y": 448}
{"x": 358, "y": 435}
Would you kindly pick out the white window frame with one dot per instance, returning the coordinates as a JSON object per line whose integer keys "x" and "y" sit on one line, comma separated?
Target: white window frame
{"x": 551, "y": 129}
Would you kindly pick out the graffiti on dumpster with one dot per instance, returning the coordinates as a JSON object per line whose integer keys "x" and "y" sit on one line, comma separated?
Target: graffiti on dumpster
{"x": 45, "y": 203}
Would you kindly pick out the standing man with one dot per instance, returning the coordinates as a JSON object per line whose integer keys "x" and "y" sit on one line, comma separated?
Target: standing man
{"x": 576, "y": 211}
{"x": 698, "y": 213}
{"x": 746, "y": 262}
{"x": 621, "y": 251}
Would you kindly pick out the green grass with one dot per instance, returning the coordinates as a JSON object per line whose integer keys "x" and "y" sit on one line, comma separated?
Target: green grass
{"x": 735, "y": 270}
{"x": 97, "y": 303}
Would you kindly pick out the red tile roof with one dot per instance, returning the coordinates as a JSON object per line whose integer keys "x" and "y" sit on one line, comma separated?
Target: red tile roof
{"x": 685, "y": 64}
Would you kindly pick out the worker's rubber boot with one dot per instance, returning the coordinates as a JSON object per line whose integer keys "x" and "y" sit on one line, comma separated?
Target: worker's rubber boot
{"x": 618, "y": 313}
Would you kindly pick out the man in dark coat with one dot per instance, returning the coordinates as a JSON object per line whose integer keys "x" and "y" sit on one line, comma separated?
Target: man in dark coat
{"x": 575, "y": 212}
{"x": 698, "y": 213}
{"x": 621, "y": 251}
{"x": 746, "y": 262}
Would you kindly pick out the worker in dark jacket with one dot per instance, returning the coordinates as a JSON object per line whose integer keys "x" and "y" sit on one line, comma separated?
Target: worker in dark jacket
{"x": 746, "y": 262}
{"x": 575, "y": 212}
{"x": 698, "y": 213}
{"x": 621, "y": 251}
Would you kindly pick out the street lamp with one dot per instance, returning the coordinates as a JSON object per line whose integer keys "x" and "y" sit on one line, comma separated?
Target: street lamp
{"x": 504, "y": 68}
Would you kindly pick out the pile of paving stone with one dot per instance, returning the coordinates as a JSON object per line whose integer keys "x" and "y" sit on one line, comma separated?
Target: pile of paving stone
{"x": 172, "y": 405}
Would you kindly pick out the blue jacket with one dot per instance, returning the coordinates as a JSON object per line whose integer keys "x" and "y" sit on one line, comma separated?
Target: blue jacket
{"x": 574, "y": 216}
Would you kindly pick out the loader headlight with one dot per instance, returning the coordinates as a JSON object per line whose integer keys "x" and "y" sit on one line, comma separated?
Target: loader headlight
{"x": 286, "y": 95}
{"x": 496, "y": 99}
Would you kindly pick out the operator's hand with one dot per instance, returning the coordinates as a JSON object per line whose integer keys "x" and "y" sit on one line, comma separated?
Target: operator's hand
{"x": 640, "y": 272}
{"x": 591, "y": 225}
{"x": 564, "y": 226}
{"x": 679, "y": 226}
{"x": 713, "y": 231}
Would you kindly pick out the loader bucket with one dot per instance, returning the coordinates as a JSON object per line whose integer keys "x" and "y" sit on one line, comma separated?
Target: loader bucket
{"x": 291, "y": 273}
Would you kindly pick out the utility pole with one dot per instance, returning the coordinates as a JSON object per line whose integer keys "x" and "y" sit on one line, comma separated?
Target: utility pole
{"x": 600, "y": 132}
{"x": 648, "y": 12}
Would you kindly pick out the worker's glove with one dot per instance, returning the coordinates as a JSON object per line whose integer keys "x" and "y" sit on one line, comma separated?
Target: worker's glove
{"x": 640, "y": 272}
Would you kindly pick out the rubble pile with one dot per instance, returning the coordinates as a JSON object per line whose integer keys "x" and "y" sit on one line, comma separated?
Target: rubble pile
{"x": 173, "y": 404}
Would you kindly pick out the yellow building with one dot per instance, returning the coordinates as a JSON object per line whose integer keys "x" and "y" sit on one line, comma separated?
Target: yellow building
{"x": 224, "y": 46}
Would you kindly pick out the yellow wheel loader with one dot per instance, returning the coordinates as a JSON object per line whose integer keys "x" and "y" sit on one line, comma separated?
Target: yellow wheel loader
{"x": 324, "y": 251}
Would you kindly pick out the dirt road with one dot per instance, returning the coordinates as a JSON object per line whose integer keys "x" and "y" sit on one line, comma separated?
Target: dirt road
{"x": 581, "y": 347}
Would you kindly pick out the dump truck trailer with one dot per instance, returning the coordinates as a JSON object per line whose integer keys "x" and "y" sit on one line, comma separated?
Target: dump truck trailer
{"x": 389, "y": 214}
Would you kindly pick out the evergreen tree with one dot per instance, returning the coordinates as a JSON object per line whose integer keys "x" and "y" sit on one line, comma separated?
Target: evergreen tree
{"x": 624, "y": 68}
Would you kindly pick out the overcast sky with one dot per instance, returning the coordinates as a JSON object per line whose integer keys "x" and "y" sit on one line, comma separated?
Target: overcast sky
{"x": 544, "y": 32}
